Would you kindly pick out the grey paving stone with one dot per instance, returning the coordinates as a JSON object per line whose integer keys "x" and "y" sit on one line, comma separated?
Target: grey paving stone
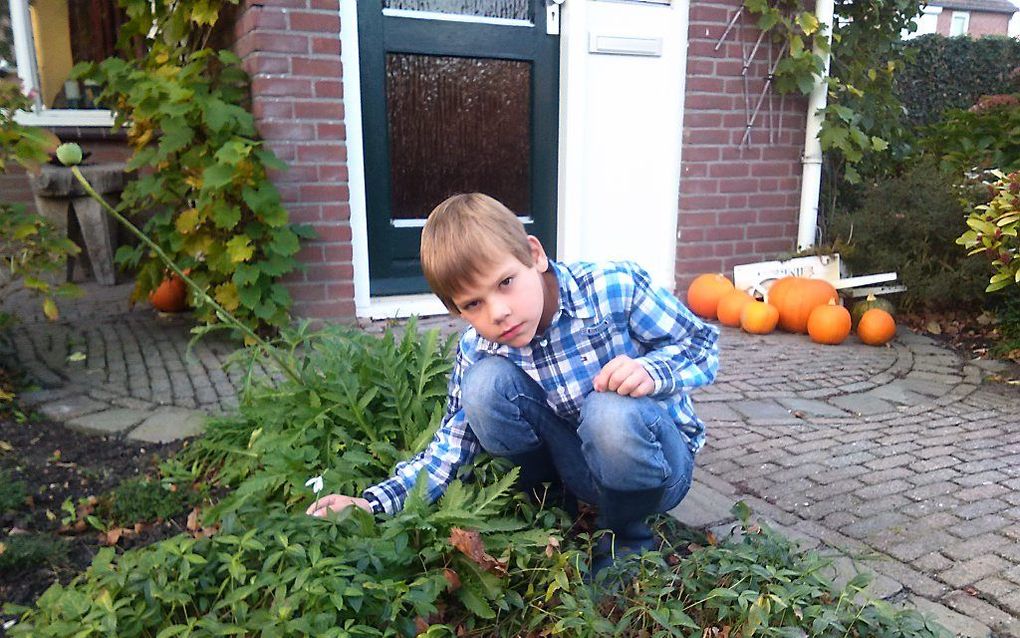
{"x": 863, "y": 404}
{"x": 703, "y": 506}
{"x": 958, "y": 624}
{"x": 812, "y": 407}
{"x": 707, "y": 411}
{"x": 108, "y": 421}
{"x": 1000, "y": 622}
{"x": 969, "y": 571}
{"x": 926, "y": 386}
{"x": 763, "y": 409}
{"x": 843, "y": 569}
{"x": 896, "y": 392}
{"x": 169, "y": 424}
{"x": 71, "y": 407}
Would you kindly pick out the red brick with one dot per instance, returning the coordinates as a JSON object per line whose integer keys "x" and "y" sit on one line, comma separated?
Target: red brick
{"x": 266, "y": 108}
{"x": 333, "y": 173}
{"x": 307, "y": 291}
{"x": 333, "y": 231}
{"x": 772, "y": 169}
{"x": 737, "y": 185}
{"x": 340, "y": 290}
{"x": 322, "y": 110}
{"x": 782, "y": 215}
{"x": 337, "y": 253}
{"x": 704, "y": 219}
{"x": 286, "y": 130}
{"x": 328, "y": 310}
{"x": 722, "y": 250}
{"x": 725, "y": 233}
{"x": 769, "y": 231}
{"x": 695, "y": 266}
{"x": 326, "y": 45}
{"x": 329, "y": 88}
{"x": 325, "y": 131}
{"x": 322, "y": 153}
{"x": 297, "y": 174}
{"x": 328, "y": 272}
{"x": 279, "y": 42}
{"x": 700, "y": 202}
{"x": 269, "y": 86}
{"x": 706, "y": 84}
{"x": 773, "y": 246}
{"x": 324, "y": 193}
{"x": 700, "y": 186}
{"x": 694, "y": 251}
{"x": 729, "y": 169}
{"x": 318, "y": 68}
{"x": 324, "y": 4}
{"x": 700, "y": 154}
{"x": 738, "y": 201}
{"x": 315, "y": 21}
{"x": 737, "y": 217}
{"x": 703, "y": 120}
{"x": 706, "y": 13}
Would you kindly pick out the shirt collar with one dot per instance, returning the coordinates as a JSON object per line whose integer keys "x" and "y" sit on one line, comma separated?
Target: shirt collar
{"x": 572, "y": 301}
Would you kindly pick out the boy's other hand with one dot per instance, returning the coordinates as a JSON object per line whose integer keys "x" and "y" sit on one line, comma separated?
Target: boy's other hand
{"x": 336, "y": 503}
{"x": 626, "y": 377}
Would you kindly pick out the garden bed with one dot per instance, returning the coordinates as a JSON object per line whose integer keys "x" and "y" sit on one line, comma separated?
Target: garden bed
{"x": 44, "y": 465}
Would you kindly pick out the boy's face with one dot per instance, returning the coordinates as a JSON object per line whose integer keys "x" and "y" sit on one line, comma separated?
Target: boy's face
{"x": 505, "y": 303}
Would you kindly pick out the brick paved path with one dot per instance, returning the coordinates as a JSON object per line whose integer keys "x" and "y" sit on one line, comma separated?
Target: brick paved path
{"x": 902, "y": 453}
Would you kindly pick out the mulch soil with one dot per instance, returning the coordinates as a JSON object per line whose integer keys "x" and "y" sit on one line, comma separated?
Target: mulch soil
{"x": 57, "y": 463}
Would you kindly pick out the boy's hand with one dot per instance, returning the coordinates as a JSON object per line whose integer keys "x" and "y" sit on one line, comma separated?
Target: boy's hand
{"x": 625, "y": 377}
{"x": 336, "y": 503}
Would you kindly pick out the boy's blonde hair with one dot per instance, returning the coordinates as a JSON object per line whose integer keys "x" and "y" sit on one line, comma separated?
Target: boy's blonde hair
{"x": 464, "y": 236}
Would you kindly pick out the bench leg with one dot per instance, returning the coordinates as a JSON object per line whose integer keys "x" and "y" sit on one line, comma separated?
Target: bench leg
{"x": 56, "y": 211}
{"x": 97, "y": 231}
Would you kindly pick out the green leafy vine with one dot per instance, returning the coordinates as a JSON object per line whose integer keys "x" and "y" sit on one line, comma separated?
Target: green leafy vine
{"x": 201, "y": 166}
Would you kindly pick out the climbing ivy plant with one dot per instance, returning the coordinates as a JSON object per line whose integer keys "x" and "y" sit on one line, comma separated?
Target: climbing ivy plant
{"x": 862, "y": 115}
{"x": 201, "y": 166}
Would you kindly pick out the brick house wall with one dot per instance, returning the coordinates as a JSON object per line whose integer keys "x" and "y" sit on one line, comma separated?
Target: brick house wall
{"x": 737, "y": 204}
{"x": 291, "y": 49}
{"x": 981, "y": 23}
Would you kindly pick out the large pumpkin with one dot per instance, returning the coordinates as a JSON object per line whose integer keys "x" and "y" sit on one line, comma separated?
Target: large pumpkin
{"x": 872, "y": 301}
{"x": 730, "y": 306}
{"x": 704, "y": 293}
{"x": 798, "y": 298}
{"x": 777, "y": 291}
{"x": 171, "y": 295}
{"x": 829, "y": 324}
{"x": 876, "y": 327}
{"x": 758, "y": 317}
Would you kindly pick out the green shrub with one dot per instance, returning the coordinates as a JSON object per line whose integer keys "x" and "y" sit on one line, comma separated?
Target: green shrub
{"x": 22, "y": 551}
{"x": 143, "y": 500}
{"x": 12, "y": 493}
{"x": 363, "y": 403}
{"x": 984, "y": 137}
{"x": 909, "y": 224}
{"x": 952, "y": 73}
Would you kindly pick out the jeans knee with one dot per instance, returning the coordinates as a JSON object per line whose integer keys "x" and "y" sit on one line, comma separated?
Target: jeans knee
{"x": 485, "y": 385}
{"x": 609, "y": 420}
{"x": 619, "y": 440}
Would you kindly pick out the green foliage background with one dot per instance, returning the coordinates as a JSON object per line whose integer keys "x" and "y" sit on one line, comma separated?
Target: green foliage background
{"x": 952, "y": 73}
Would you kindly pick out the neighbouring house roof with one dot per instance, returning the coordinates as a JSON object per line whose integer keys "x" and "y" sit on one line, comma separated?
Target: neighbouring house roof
{"x": 990, "y": 6}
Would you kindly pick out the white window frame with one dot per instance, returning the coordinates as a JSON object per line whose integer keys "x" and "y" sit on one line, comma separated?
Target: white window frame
{"x": 28, "y": 71}
{"x": 965, "y": 15}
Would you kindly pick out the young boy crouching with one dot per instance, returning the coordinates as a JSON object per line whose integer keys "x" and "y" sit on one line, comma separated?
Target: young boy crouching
{"x": 575, "y": 372}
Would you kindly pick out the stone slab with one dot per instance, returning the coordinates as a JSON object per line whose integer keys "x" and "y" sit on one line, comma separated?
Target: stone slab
{"x": 863, "y": 404}
{"x": 169, "y": 424}
{"x": 957, "y": 624}
{"x": 813, "y": 407}
{"x": 702, "y": 507}
{"x": 63, "y": 410}
{"x": 715, "y": 411}
{"x": 761, "y": 409}
{"x": 109, "y": 421}
{"x": 897, "y": 392}
{"x": 926, "y": 386}
{"x": 843, "y": 569}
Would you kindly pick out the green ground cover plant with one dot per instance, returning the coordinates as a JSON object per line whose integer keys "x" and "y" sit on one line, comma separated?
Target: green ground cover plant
{"x": 12, "y": 493}
{"x": 20, "y": 551}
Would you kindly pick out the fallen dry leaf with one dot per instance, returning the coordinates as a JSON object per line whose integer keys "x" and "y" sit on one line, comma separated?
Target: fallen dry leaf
{"x": 6, "y": 447}
{"x": 552, "y": 546}
{"x": 469, "y": 542}
{"x": 933, "y": 327}
{"x": 452, "y": 579}
{"x": 192, "y": 524}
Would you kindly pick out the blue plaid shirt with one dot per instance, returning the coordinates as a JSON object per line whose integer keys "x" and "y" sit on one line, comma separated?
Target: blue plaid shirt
{"x": 605, "y": 311}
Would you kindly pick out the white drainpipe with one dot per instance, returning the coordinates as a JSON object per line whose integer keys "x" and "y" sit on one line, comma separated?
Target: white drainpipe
{"x": 811, "y": 180}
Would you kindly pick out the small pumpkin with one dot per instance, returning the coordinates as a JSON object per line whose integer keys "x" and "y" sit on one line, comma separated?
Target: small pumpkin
{"x": 877, "y": 327}
{"x": 758, "y": 317}
{"x": 704, "y": 293}
{"x": 798, "y": 298}
{"x": 829, "y": 324}
{"x": 730, "y": 306}
{"x": 171, "y": 295}
{"x": 872, "y": 301}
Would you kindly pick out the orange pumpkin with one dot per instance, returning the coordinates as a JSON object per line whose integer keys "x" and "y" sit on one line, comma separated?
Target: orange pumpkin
{"x": 758, "y": 317}
{"x": 876, "y": 327}
{"x": 798, "y": 298}
{"x": 704, "y": 293}
{"x": 171, "y": 295}
{"x": 829, "y": 324}
{"x": 778, "y": 289}
{"x": 730, "y": 306}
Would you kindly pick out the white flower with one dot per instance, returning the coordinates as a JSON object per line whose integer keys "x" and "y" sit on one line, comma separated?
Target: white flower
{"x": 315, "y": 483}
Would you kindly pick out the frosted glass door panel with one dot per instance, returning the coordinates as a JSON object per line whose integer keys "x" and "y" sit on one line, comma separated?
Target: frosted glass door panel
{"x": 509, "y": 9}
{"x": 457, "y": 125}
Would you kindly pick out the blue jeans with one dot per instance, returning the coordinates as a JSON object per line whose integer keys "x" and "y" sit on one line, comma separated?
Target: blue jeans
{"x": 625, "y": 455}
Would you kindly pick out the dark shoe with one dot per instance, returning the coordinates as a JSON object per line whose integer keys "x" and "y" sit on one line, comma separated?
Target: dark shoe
{"x": 624, "y": 512}
{"x": 536, "y": 468}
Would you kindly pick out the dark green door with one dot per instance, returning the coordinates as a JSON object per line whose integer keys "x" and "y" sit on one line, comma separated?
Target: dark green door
{"x": 457, "y": 96}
